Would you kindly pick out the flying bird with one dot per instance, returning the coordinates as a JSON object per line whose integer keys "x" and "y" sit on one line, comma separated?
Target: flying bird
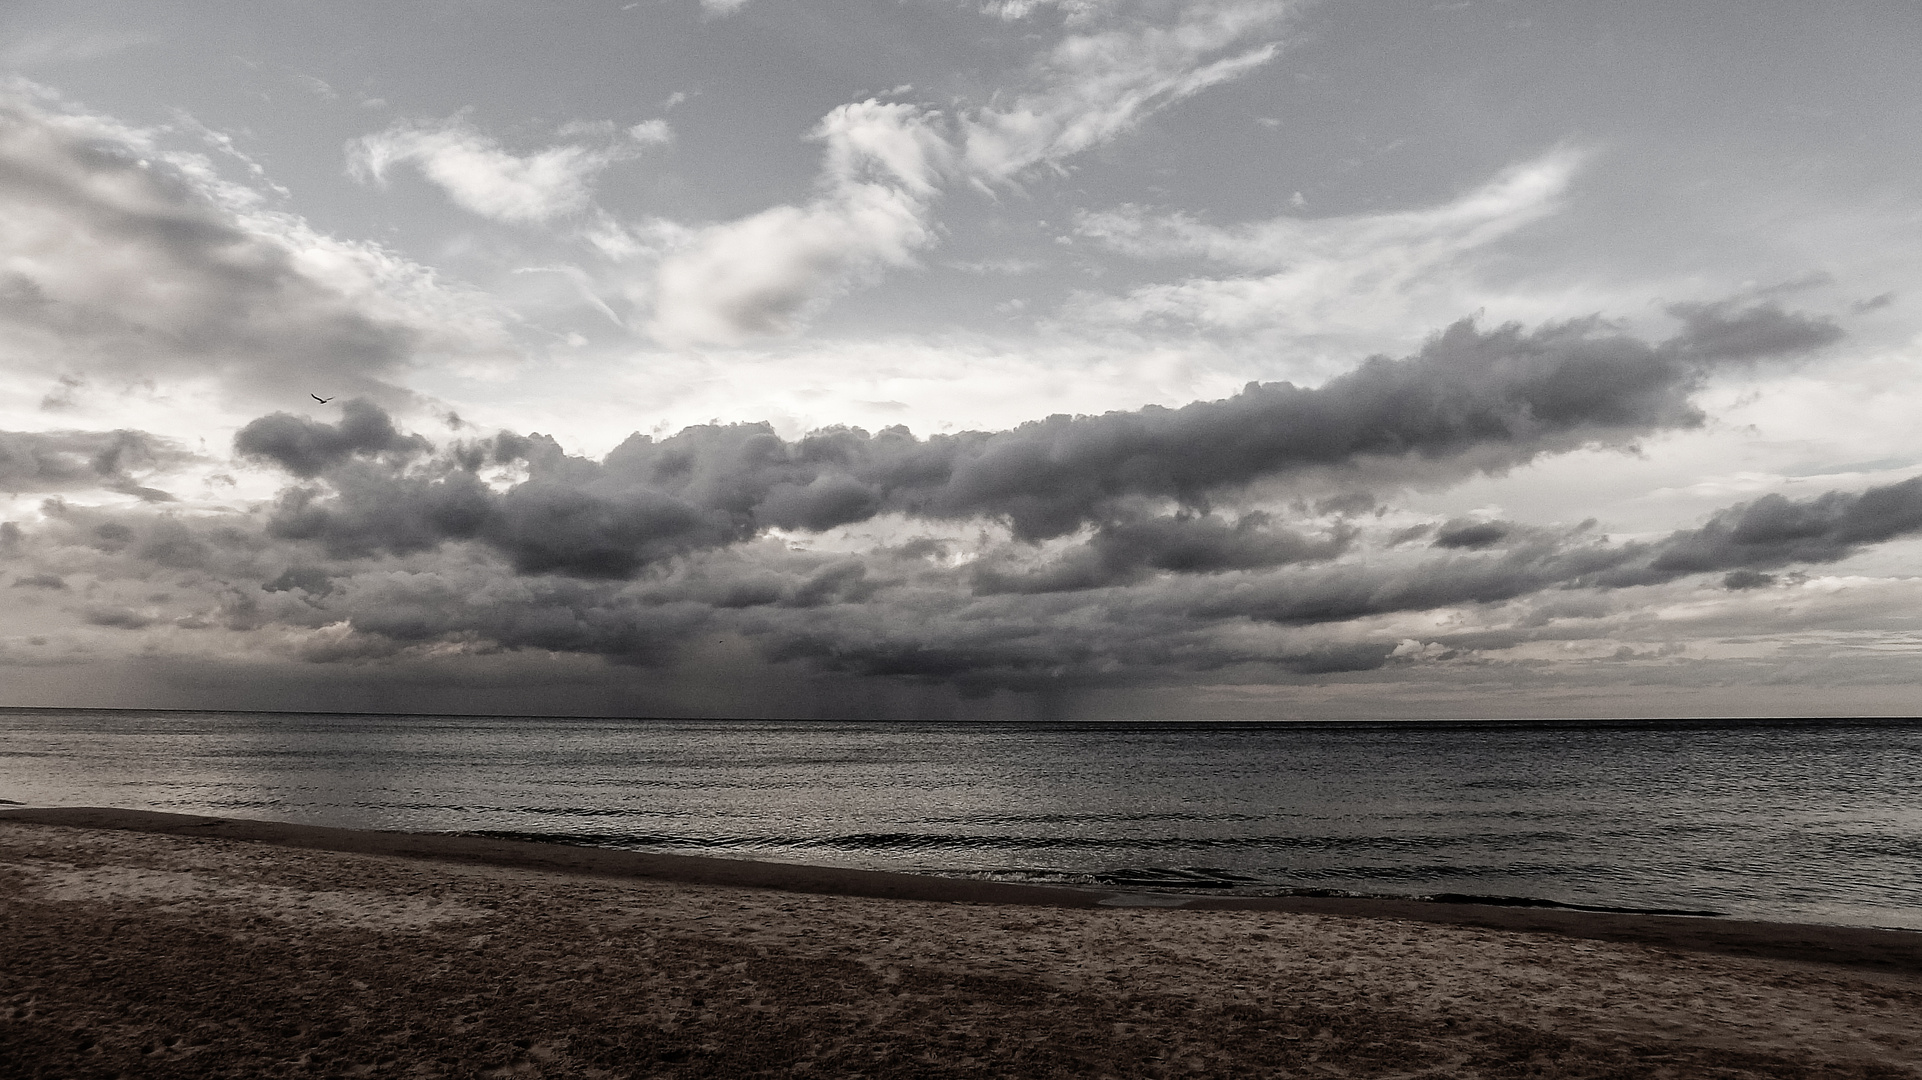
{"x": 322, "y": 400}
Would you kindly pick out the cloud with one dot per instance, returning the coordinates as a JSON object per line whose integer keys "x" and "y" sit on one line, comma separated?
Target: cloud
{"x": 765, "y": 274}
{"x": 652, "y": 133}
{"x": 59, "y": 461}
{"x": 121, "y": 618}
{"x": 306, "y": 448}
{"x": 1737, "y": 580}
{"x": 1313, "y": 272}
{"x": 1469, "y": 402}
{"x": 1145, "y": 599}
{"x": 1133, "y": 549}
{"x": 884, "y": 164}
{"x": 1523, "y": 193}
{"x": 1726, "y": 330}
{"x": 485, "y": 179}
{"x": 1096, "y": 85}
{"x": 672, "y": 533}
{"x": 1361, "y": 589}
{"x": 1774, "y": 531}
{"x": 1472, "y": 534}
{"x": 1069, "y": 552}
{"x": 1742, "y": 540}
{"x": 137, "y": 263}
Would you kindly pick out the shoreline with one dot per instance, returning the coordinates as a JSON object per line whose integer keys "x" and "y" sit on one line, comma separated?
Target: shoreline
{"x": 1878, "y": 949}
{"x": 1718, "y": 720}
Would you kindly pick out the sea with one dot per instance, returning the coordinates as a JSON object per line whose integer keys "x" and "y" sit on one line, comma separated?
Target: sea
{"x": 1794, "y": 821}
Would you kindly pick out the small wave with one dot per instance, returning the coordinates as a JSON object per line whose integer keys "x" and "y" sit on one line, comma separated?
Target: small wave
{"x": 1180, "y": 877}
{"x": 992, "y": 842}
{"x": 1155, "y": 879}
{"x": 1538, "y": 902}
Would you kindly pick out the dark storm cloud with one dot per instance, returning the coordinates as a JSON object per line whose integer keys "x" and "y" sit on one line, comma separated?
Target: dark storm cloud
{"x": 1501, "y": 397}
{"x": 1741, "y": 541}
{"x": 1360, "y": 589}
{"x": 307, "y": 448}
{"x": 1726, "y": 331}
{"x": 134, "y": 544}
{"x": 312, "y": 580}
{"x": 1775, "y": 531}
{"x": 1128, "y": 550}
{"x": 1030, "y": 642}
{"x": 1469, "y": 401}
{"x": 1042, "y": 661}
{"x": 118, "y": 618}
{"x": 1471, "y": 534}
{"x": 51, "y": 461}
{"x": 912, "y": 612}
{"x": 550, "y": 614}
{"x": 1738, "y": 580}
{"x": 901, "y": 613}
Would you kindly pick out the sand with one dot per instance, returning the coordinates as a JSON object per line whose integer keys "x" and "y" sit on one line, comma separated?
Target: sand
{"x": 156, "y": 946}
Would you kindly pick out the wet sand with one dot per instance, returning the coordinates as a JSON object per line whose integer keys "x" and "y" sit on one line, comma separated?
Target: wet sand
{"x": 163, "y": 945}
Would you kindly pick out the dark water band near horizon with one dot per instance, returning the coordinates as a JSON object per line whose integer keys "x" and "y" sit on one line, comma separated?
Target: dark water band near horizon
{"x": 1793, "y": 820}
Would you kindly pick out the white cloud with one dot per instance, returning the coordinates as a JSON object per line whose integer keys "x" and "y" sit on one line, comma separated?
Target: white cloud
{"x": 762, "y": 275}
{"x": 1004, "y": 267}
{"x": 1016, "y": 10}
{"x": 874, "y": 142}
{"x": 485, "y": 179}
{"x": 886, "y": 162}
{"x": 651, "y": 133}
{"x": 1094, "y": 86}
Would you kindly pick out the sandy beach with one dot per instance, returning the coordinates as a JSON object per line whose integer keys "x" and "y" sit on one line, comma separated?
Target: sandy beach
{"x": 161, "y": 945}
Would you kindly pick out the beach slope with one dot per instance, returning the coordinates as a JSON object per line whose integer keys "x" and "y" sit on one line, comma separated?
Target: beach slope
{"x": 160, "y": 945}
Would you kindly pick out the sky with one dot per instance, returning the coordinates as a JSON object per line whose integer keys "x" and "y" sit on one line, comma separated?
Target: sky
{"x": 1000, "y": 359}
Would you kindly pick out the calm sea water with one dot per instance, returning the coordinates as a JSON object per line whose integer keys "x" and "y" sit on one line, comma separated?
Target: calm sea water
{"x": 1789, "y": 821}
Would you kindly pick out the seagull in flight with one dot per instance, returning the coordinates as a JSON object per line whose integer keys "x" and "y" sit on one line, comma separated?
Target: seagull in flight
{"x": 322, "y": 400}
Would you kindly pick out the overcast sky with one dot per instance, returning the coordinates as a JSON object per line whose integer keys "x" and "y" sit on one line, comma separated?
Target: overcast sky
{"x": 1002, "y": 359}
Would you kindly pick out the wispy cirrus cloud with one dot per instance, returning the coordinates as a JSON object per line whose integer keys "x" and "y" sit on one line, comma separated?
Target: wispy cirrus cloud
{"x": 1522, "y": 194}
{"x": 1101, "y": 81}
{"x": 885, "y": 164}
{"x": 484, "y": 178}
{"x": 1311, "y": 273}
{"x": 28, "y": 53}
